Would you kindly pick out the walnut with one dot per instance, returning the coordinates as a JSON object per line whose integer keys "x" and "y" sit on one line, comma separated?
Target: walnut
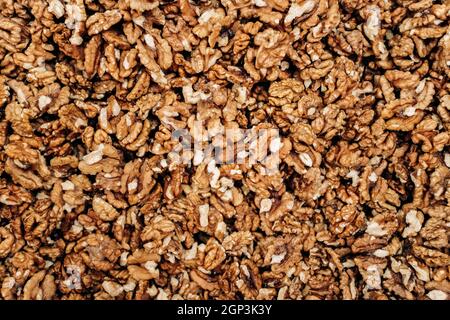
{"x": 98, "y": 251}
{"x": 214, "y": 255}
{"x": 346, "y": 221}
{"x": 203, "y": 281}
{"x": 431, "y": 257}
{"x": 435, "y": 233}
{"x": 371, "y": 270}
{"x": 384, "y": 224}
{"x": 7, "y": 242}
{"x": 140, "y": 273}
{"x": 414, "y": 219}
{"x": 237, "y": 240}
{"x": 102, "y": 21}
{"x": 285, "y": 91}
{"x": 104, "y": 210}
{"x": 40, "y": 287}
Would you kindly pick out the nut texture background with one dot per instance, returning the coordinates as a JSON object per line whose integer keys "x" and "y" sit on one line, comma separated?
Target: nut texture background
{"x": 94, "y": 204}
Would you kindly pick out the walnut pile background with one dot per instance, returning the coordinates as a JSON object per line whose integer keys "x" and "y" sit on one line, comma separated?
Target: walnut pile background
{"x": 94, "y": 205}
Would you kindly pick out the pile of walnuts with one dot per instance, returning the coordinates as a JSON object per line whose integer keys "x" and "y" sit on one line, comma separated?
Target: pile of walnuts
{"x": 94, "y": 204}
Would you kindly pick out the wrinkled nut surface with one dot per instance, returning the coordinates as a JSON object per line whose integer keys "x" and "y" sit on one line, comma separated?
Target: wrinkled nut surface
{"x": 96, "y": 205}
